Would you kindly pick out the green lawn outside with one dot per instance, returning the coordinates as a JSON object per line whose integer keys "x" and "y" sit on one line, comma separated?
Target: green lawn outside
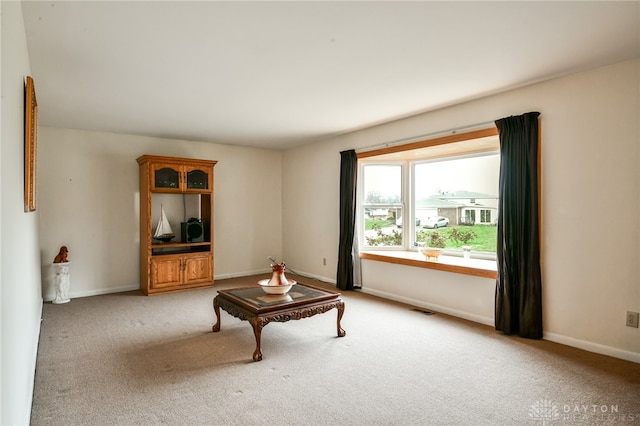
{"x": 369, "y": 224}
{"x": 485, "y": 240}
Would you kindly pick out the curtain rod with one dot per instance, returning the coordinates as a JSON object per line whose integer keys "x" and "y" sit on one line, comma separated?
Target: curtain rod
{"x": 452, "y": 131}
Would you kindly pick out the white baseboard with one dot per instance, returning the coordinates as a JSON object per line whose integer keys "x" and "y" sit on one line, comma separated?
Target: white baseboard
{"x": 241, "y": 274}
{"x": 552, "y": 337}
{"x": 268, "y": 270}
{"x": 100, "y": 291}
{"x": 96, "y": 292}
{"x": 430, "y": 306}
{"x": 34, "y": 360}
{"x": 593, "y": 347}
{"x": 317, "y": 277}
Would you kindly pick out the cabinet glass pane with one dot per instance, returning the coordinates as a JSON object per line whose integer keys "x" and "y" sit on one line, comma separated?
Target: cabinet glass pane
{"x": 166, "y": 178}
{"x": 197, "y": 179}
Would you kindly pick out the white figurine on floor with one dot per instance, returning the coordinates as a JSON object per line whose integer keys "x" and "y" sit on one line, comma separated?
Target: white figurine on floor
{"x": 63, "y": 281}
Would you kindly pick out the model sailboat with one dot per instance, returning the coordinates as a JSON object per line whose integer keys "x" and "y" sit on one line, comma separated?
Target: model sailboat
{"x": 163, "y": 230}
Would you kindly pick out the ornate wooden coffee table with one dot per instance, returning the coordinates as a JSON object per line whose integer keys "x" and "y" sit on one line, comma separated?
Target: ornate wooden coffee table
{"x": 254, "y": 305}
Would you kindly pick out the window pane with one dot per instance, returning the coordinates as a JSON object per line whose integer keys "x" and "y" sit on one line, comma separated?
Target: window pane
{"x": 453, "y": 194}
{"x": 382, "y": 184}
{"x": 382, "y": 205}
{"x": 381, "y": 227}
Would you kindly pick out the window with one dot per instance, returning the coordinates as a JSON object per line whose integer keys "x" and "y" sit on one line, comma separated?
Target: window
{"x": 470, "y": 217}
{"x": 485, "y": 216}
{"x": 431, "y": 193}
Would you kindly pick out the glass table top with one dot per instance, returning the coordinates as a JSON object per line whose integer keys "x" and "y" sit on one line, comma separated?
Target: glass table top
{"x": 256, "y": 298}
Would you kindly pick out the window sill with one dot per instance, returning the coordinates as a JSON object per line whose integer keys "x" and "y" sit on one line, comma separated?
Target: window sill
{"x": 459, "y": 265}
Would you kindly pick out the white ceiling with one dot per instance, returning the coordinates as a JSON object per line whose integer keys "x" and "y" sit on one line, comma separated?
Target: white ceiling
{"x": 279, "y": 74}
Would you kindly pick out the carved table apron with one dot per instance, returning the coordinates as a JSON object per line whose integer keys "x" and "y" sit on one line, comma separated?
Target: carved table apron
{"x": 253, "y": 305}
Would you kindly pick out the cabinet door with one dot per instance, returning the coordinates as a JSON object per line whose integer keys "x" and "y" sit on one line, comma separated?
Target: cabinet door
{"x": 166, "y": 271}
{"x": 198, "y": 269}
{"x": 166, "y": 178}
{"x": 198, "y": 178}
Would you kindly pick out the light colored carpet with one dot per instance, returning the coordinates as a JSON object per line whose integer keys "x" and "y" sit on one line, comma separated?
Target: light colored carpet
{"x": 127, "y": 359}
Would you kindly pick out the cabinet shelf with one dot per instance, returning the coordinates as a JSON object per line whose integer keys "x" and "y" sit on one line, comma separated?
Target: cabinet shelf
{"x": 179, "y": 248}
{"x": 175, "y": 266}
{"x": 177, "y": 245}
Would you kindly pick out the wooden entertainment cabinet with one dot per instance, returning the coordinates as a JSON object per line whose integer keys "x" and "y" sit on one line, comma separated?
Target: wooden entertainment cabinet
{"x": 183, "y": 188}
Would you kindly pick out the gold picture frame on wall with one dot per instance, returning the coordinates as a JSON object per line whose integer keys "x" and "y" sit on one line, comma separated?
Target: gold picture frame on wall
{"x": 30, "y": 144}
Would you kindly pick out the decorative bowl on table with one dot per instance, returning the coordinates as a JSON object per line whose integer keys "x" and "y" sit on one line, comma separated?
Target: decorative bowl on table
{"x": 270, "y": 288}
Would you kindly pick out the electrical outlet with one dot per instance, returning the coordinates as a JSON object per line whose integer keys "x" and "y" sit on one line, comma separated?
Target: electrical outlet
{"x": 632, "y": 319}
{"x": 324, "y": 261}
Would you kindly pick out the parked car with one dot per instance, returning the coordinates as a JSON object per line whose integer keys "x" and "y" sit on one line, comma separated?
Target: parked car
{"x": 436, "y": 222}
{"x": 399, "y": 222}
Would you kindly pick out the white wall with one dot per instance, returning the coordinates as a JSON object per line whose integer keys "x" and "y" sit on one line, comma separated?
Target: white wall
{"x": 310, "y": 179}
{"x": 21, "y": 300}
{"x": 88, "y": 199}
{"x": 590, "y": 162}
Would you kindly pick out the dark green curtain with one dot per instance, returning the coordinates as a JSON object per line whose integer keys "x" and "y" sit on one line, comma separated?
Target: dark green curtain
{"x": 518, "y": 298}
{"x": 348, "y": 175}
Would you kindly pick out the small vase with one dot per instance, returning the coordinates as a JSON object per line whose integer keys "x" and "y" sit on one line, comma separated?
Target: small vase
{"x": 278, "y": 278}
{"x": 431, "y": 253}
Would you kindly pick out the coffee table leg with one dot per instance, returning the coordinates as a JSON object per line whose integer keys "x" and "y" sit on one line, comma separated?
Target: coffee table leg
{"x": 216, "y": 308}
{"x": 341, "y": 332}
{"x": 256, "y": 323}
